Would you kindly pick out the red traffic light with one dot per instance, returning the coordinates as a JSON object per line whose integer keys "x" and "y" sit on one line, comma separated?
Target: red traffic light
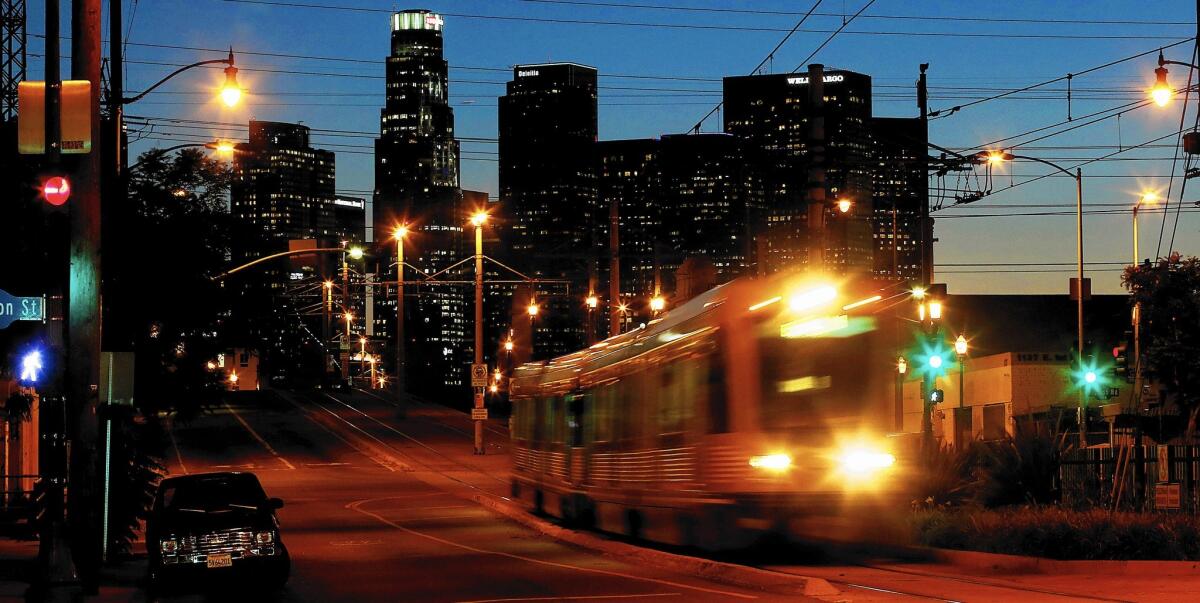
{"x": 56, "y": 190}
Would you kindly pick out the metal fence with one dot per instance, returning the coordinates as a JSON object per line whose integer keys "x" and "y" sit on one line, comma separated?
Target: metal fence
{"x": 1162, "y": 478}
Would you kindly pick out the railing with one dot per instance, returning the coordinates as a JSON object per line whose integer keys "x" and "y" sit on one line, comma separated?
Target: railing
{"x": 1150, "y": 478}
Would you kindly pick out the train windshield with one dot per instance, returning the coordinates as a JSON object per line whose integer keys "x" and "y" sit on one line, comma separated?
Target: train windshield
{"x": 814, "y": 382}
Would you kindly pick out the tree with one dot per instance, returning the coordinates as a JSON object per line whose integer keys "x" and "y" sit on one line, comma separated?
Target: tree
{"x": 1169, "y": 294}
{"x": 162, "y": 250}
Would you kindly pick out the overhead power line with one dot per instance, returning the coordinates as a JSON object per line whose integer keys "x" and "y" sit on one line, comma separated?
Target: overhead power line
{"x": 747, "y": 11}
{"x": 700, "y": 26}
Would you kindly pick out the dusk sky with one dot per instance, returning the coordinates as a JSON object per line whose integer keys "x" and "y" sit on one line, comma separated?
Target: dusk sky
{"x": 1010, "y": 45}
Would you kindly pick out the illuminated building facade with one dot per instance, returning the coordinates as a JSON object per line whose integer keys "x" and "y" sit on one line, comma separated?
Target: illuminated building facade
{"x": 678, "y": 197}
{"x": 282, "y": 191}
{"x": 770, "y": 115}
{"x": 547, "y": 129}
{"x": 417, "y": 183}
{"x": 900, "y": 185}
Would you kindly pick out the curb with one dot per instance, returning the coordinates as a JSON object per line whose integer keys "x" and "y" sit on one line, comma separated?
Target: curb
{"x": 716, "y": 571}
{"x": 1018, "y": 564}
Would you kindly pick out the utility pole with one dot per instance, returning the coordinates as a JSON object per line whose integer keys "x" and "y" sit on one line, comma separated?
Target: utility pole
{"x": 83, "y": 314}
{"x": 1079, "y": 301}
{"x": 401, "y": 374}
{"x": 478, "y": 220}
{"x": 926, "y": 221}
{"x": 614, "y": 269}
{"x": 346, "y": 315}
{"x": 116, "y": 96}
{"x": 57, "y": 571}
{"x": 816, "y": 168}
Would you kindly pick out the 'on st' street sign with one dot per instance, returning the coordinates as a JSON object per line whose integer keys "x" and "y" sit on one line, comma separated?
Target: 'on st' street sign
{"x": 14, "y": 308}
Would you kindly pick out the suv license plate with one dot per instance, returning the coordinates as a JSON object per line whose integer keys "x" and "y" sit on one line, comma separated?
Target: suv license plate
{"x": 220, "y": 560}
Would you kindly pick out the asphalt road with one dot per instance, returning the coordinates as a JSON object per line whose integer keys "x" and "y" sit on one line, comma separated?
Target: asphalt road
{"x": 378, "y": 509}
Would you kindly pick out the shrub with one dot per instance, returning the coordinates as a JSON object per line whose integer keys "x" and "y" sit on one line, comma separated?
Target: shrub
{"x": 1022, "y": 468}
{"x": 1062, "y": 534}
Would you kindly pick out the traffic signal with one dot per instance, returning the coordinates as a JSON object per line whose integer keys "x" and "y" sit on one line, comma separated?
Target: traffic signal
{"x": 1091, "y": 377}
{"x": 935, "y": 396}
{"x": 1121, "y": 362}
{"x": 56, "y": 190}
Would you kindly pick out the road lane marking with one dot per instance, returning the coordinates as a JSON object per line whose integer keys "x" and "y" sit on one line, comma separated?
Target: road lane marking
{"x": 416, "y": 441}
{"x": 356, "y": 506}
{"x": 577, "y": 598}
{"x": 309, "y": 415}
{"x": 260, "y": 439}
{"x": 175, "y": 445}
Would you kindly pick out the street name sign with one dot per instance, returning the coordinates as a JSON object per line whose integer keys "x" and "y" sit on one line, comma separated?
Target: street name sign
{"x": 14, "y": 308}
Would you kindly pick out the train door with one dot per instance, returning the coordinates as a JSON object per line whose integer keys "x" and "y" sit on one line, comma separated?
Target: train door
{"x": 576, "y": 465}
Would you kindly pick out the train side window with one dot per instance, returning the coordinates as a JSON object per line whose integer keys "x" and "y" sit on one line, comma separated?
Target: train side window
{"x": 718, "y": 409}
{"x": 603, "y": 412}
{"x": 574, "y": 419}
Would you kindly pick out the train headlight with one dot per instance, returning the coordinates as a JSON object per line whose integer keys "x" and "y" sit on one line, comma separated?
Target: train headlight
{"x": 864, "y": 462}
{"x": 777, "y": 462}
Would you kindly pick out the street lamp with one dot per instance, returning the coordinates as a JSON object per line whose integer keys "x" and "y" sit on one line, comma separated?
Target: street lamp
{"x": 592, "y": 302}
{"x": 399, "y": 235}
{"x": 657, "y": 303}
{"x": 231, "y": 92}
{"x": 995, "y": 157}
{"x": 960, "y": 348}
{"x": 844, "y": 205}
{"x": 901, "y": 369}
{"x": 1162, "y": 92}
{"x": 478, "y": 220}
{"x": 532, "y": 309}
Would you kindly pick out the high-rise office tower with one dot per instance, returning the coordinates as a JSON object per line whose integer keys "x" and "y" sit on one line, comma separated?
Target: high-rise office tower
{"x": 709, "y": 202}
{"x": 770, "y": 114}
{"x": 628, "y": 174}
{"x": 678, "y": 198}
{"x": 547, "y": 127}
{"x": 282, "y": 191}
{"x": 901, "y": 184}
{"x": 417, "y": 184}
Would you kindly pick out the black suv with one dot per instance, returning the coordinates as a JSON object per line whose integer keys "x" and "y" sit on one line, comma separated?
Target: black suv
{"x": 215, "y": 524}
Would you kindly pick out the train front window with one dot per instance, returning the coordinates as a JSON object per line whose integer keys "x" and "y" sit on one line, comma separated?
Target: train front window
{"x": 812, "y": 382}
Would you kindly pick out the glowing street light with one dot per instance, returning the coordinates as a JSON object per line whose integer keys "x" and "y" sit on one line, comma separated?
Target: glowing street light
{"x": 508, "y": 345}
{"x": 479, "y": 218}
{"x": 400, "y": 232}
{"x": 224, "y": 148}
{"x": 657, "y": 304}
{"x": 231, "y": 92}
{"x": 960, "y": 346}
{"x": 844, "y": 205}
{"x": 532, "y": 310}
{"x": 592, "y": 302}
{"x": 901, "y": 365}
{"x": 1161, "y": 92}
{"x": 356, "y": 253}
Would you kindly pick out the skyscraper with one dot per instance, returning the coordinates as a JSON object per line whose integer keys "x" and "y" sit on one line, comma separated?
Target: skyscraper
{"x": 547, "y": 179}
{"x": 628, "y": 174}
{"x": 417, "y": 184}
{"x": 282, "y": 191}
{"x": 900, "y": 184}
{"x": 679, "y": 197}
{"x": 770, "y": 114}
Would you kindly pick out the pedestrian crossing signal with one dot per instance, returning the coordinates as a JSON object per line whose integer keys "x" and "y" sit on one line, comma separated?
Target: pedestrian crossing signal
{"x": 936, "y": 396}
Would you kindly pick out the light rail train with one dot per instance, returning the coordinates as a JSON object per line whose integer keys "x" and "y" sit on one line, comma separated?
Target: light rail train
{"x": 763, "y": 405}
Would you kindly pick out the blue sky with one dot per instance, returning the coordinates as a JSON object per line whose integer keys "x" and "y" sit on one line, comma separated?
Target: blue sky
{"x": 970, "y": 63}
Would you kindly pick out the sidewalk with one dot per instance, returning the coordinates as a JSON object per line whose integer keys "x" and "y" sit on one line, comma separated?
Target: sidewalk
{"x": 18, "y": 566}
